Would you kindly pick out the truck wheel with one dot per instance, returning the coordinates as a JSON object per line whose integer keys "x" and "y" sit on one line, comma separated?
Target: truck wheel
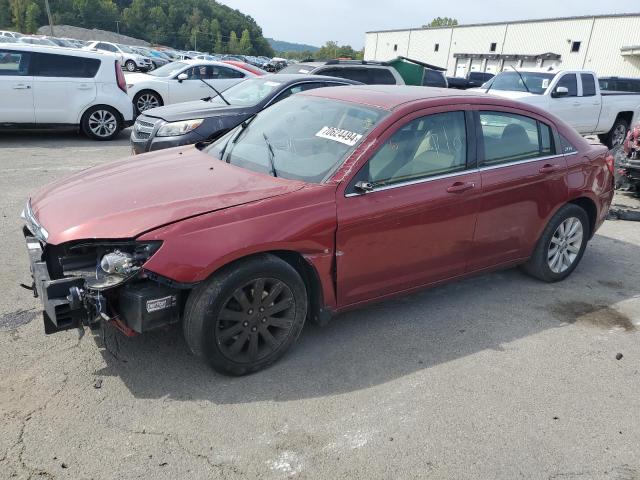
{"x": 247, "y": 315}
{"x": 561, "y": 245}
{"x": 617, "y": 134}
{"x": 101, "y": 123}
{"x": 130, "y": 65}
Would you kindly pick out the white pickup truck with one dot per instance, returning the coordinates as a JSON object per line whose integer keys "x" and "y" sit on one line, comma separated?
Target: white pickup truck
{"x": 574, "y": 96}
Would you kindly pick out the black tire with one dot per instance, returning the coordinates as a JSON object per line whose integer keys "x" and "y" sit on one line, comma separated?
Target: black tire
{"x": 615, "y": 137}
{"x": 113, "y": 123}
{"x": 227, "y": 300}
{"x": 538, "y": 265}
{"x": 130, "y": 66}
{"x": 146, "y": 97}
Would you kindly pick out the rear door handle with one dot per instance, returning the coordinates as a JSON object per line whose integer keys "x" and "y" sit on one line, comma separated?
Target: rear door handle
{"x": 548, "y": 168}
{"x": 460, "y": 187}
{"x": 21, "y": 86}
{"x": 84, "y": 87}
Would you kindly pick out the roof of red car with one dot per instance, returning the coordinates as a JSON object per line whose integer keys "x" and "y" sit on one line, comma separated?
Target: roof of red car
{"x": 387, "y": 97}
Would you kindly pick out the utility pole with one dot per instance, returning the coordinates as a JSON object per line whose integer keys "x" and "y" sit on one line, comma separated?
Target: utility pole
{"x": 195, "y": 41}
{"x": 118, "y": 27}
{"x": 46, "y": 4}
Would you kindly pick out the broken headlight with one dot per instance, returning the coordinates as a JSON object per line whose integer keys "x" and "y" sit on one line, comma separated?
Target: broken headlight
{"x": 107, "y": 265}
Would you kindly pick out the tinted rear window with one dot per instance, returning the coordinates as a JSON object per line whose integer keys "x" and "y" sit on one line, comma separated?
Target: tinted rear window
{"x": 51, "y": 65}
{"x": 382, "y": 76}
{"x": 358, "y": 74}
{"x": 433, "y": 78}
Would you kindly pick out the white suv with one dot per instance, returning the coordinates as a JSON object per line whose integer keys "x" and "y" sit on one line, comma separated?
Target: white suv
{"x": 131, "y": 60}
{"x": 56, "y": 87}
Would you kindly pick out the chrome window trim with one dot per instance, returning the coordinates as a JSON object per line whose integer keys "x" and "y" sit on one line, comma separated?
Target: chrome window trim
{"x": 451, "y": 175}
{"x": 414, "y": 182}
{"x": 306, "y": 82}
{"x": 518, "y": 162}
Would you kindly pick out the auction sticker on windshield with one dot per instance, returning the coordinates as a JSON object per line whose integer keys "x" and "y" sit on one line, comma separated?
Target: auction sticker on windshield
{"x": 339, "y": 135}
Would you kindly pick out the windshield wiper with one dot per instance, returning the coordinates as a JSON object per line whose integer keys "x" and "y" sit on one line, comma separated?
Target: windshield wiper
{"x": 233, "y": 141}
{"x": 521, "y": 78}
{"x": 272, "y": 155}
{"x": 215, "y": 90}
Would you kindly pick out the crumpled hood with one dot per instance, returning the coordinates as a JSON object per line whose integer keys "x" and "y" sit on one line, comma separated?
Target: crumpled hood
{"x": 128, "y": 197}
{"x": 194, "y": 109}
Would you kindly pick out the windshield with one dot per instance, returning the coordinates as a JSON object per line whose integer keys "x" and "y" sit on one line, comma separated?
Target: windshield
{"x": 168, "y": 70}
{"x": 125, "y": 49}
{"x": 300, "y": 138}
{"x": 536, "y": 82}
{"x": 249, "y": 92}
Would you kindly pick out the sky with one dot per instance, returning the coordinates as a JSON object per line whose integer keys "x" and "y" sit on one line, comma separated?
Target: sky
{"x": 346, "y": 21}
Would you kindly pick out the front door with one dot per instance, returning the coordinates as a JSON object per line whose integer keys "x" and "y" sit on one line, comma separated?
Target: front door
{"x": 523, "y": 182}
{"x": 193, "y": 88}
{"x": 16, "y": 88}
{"x": 415, "y": 224}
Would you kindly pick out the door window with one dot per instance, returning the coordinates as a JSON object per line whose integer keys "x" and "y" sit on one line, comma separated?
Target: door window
{"x": 50, "y": 65}
{"x": 427, "y": 146}
{"x": 588, "y": 85}
{"x": 508, "y": 138}
{"x": 220, "y": 73}
{"x": 357, "y": 74}
{"x": 571, "y": 82}
{"x": 14, "y": 63}
{"x": 382, "y": 76}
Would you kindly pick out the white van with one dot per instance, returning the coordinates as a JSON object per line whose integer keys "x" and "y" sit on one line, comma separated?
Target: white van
{"x": 56, "y": 87}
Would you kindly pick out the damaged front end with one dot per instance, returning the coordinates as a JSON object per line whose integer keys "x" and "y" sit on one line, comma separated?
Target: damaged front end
{"x": 85, "y": 282}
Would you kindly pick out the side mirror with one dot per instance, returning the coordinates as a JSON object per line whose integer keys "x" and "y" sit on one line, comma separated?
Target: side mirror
{"x": 364, "y": 187}
{"x": 560, "y": 92}
{"x": 182, "y": 77}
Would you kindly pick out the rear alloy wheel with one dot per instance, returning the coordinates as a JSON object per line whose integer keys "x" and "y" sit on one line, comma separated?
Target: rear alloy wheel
{"x": 561, "y": 245}
{"x": 130, "y": 65}
{"x": 247, "y": 315}
{"x": 101, "y": 123}
{"x": 146, "y": 100}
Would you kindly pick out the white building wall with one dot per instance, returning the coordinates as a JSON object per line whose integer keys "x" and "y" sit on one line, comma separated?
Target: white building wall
{"x": 609, "y": 36}
{"x": 552, "y": 36}
{"x": 601, "y": 40}
{"x": 423, "y": 43}
{"x": 392, "y": 44}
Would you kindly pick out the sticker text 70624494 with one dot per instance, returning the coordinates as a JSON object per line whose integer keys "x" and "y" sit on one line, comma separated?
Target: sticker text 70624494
{"x": 339, "y": 135}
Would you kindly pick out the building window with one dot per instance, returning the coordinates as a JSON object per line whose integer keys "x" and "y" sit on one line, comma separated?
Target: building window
{"x": 494, "y": 46}
{"x": 395, "y": 47}
{"x": 575, "y": 47}
{"x": 436, "y": 48}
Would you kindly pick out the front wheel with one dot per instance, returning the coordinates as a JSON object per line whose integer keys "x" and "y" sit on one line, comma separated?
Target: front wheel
{"x": 246, "y": 316}
{"x": 130, "y": 65}
{"x": 101, "y": 123}
{"x": 145, "y": 100}
{"x": 561, "y": 245}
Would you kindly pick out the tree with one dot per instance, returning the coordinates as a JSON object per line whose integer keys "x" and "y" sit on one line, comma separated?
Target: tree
{"x": 245, "y": 43}
{"x": 331, "y": 50}
{"x": 233, "y": 46}
{"x": 31, "y": 18}
{"x": 218, "y": 47}
{"x": 442, "y": 22}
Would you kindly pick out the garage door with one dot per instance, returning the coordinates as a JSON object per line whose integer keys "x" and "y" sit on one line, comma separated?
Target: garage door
{"x": 476, "y": 65}
{"x": 492, "y": 66}
{"x": 529, "y": 63}
{"x": 462, "y": 65}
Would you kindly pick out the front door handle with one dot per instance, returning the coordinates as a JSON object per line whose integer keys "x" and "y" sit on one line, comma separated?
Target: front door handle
{"x": 548, "y": 168}
{"x": 460, "y": 187}
{"x": 21, "y": 86}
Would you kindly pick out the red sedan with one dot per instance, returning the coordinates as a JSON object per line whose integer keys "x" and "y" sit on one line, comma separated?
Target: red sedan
{"x": 327, "y": 200}
{"x": 247, "y": 66}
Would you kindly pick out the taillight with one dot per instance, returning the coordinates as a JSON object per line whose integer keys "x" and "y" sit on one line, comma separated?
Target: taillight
{"x": 122, "y": 83}
{"x": 610, "y": 163}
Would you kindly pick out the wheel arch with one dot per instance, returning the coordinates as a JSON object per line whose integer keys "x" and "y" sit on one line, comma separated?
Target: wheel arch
{"x": 150, "y": 90}
{"x": 318, "y": 312}
{"x": 626, "y": 116}
{"x": 589, "y": 206}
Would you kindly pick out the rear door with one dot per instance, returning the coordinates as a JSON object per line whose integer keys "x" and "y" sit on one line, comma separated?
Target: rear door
{"x": 523, "y": 183}
{"x": 16, "y": 87}
{"x": 415, "y": 226}
{"x": 591, "y": 103}
{"x": 64, "y": 86}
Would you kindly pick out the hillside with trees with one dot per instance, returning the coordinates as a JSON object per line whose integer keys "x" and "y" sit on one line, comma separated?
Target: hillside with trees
{"x": 186, "y": 24}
